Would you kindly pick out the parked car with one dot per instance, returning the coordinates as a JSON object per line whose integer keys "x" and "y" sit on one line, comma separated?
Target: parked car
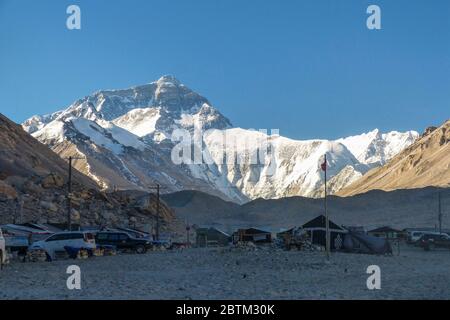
{"x": 123, "y": 241}
{"x": 58, "y": 242}
{"x": 414, "y": 236}
{"x": 429, "y": 241}
{"x": 3, "y": 254}
{"x": 15, "y": 243}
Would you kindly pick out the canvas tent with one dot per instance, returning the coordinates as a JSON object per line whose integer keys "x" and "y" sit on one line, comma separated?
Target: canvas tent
{"x": 363, "y": 243}
{"x": 252, "y": 235}
{"x": 316, "y": 229}
{"x": 386, "y": 232}
{"x": 211, "y": 237}
{"x": 282, "y": 234}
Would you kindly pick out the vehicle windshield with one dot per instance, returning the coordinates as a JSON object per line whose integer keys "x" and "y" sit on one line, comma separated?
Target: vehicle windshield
{"x": 47, "y": 238}
{"x": 128, "y": 235}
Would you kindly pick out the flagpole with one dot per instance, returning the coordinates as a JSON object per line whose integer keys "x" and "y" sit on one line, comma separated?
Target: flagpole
{"x": 327, "y": 221}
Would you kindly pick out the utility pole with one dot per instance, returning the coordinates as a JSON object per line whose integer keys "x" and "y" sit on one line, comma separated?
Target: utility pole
{"x": 324, "y": 167}
{"x": 21, "y": 204}
{"x": 69, "y": 200}
{"x": 15, "y": 210}
{"x": 440, "y": 213}
{"x": 69, "y": 194}
{"x": 327, "y": 220}
{"x": 18, "y": 210}
{"x": 157, "y": 211}
{"x": 158, "y": 207}
{"x": 188, "y": 230}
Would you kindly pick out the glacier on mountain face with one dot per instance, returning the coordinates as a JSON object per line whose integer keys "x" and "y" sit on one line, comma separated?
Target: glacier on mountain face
{"x": 125, "y": 137}
{"x": 139, "y": 121}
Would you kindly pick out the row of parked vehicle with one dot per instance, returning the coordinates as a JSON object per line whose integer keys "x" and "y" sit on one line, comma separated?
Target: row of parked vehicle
{"x": 430, "y": 240}
{"x": 90, "y": 241}
{"x": 55, "y": 243}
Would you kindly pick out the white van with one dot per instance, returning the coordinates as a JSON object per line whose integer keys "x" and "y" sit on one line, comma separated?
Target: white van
{"x": 3, "y": 253}
{"x": 58, "y": 242}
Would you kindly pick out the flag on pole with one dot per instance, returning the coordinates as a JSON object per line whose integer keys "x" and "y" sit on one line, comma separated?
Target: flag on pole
{"x": 324, "y": 165}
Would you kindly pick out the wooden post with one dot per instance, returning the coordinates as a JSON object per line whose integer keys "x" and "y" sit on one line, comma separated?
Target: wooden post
{"x": 69, "y": 191}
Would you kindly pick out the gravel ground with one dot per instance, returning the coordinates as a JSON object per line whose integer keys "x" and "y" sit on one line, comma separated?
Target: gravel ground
{"x": 234, "y": 274}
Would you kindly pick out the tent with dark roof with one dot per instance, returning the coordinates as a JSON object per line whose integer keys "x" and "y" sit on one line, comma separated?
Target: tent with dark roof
{"x": 316, "y": 229}
{"x": 343, "y": 240}
{"x": 254, "y": 235}
{"x": 386, "y": 232}
{"x": 211, "y": 236}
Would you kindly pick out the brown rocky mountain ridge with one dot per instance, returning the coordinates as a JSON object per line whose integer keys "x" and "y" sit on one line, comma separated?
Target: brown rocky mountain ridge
{"x": 33, "y": 188}
{"x": 424, "y": 163}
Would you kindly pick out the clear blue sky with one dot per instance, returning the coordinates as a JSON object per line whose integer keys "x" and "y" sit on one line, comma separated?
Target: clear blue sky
{"x": 310, "y": 68}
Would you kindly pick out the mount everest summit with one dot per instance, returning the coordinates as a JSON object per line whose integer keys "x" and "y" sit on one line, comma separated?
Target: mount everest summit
{"x": 124, "y": 140}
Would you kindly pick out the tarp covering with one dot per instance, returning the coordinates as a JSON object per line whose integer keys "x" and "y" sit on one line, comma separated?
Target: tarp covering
{"x": 362, "y": 243}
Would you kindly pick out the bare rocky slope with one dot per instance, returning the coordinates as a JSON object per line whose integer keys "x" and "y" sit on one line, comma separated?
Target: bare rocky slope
{"x": 33, "y": 188}
{"x": 424, "y": 163}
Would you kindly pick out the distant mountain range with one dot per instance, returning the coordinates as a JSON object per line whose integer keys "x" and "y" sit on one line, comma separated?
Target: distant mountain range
{"x": 124, "y": 138}
{"x": 411, "y": 208}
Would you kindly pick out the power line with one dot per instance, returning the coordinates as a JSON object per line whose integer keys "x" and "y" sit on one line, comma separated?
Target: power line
{"x": 158, "y": 193}
{"x": 69, "y": 193}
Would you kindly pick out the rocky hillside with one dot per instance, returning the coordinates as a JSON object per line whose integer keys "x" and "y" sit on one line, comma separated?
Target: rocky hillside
{"x": 425, "y": 163}
{"x": 33, "y": 187}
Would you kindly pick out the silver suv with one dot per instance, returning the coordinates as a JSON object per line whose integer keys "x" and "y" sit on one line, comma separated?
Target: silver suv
{"x": 3, "y": 254}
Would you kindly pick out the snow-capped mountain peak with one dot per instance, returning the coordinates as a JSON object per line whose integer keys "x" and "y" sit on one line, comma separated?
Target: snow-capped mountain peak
{"x": 125, "y": 136}
{"x": 154, "y": 109}
{"x": 375, "y": 148}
